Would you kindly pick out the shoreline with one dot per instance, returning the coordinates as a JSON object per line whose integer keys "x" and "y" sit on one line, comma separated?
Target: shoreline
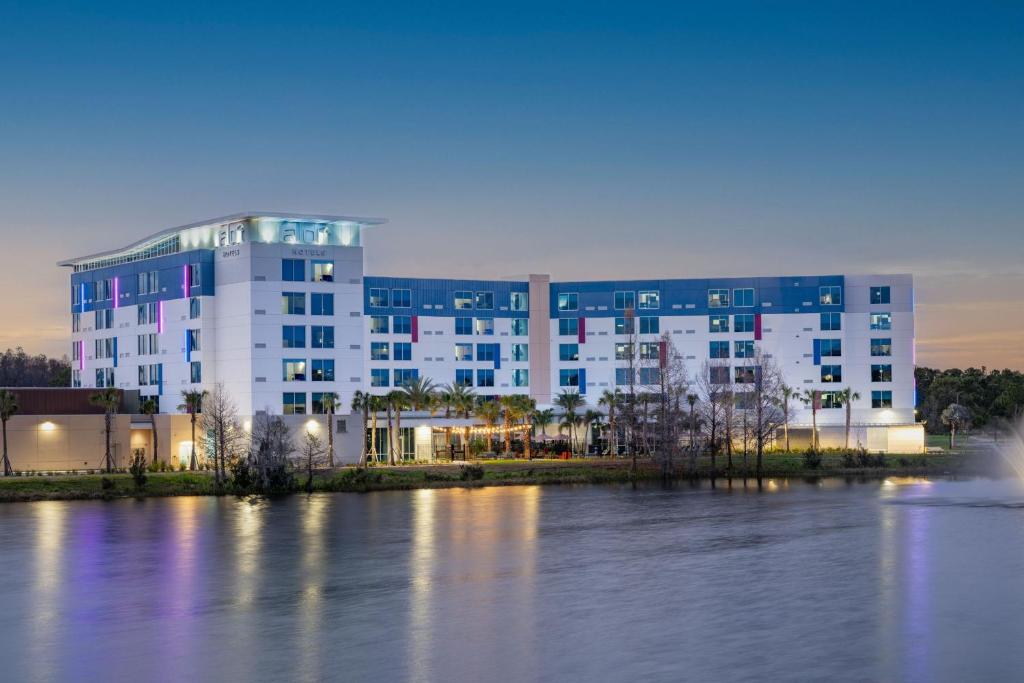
{"x": 35, "y": 487}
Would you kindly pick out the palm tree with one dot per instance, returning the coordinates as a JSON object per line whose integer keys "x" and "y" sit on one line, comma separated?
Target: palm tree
{"x": 490, "y": 413}
{"x": 788, "y": 393}
{"x": 361, "y": 404}
{"x": 812, "y": 398}
{"x": 527, "y": 408}
{"x": 445, "y": 400}
{"x": 848, "y": 396}
{"x": 8, "y": 407}
{"x": 331, "y": 405}
{"x": 419, "y": 393}
{"x": 590, "y": 418}
{"x": 569, "y": 402}
{"x": 398, "y": 400}
{"x": 192, "y": 403}
{"x": 611, "y": 400}
{"x": 110, "y": 400}
{"x": 149, "y": 407}
{"x": 543, "y": 419}
{"x": 463, "y": 402}
{"x": 508, "y": 407}
{"x": 375, "y": 404}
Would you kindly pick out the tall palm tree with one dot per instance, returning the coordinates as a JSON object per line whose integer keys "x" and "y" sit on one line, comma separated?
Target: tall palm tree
{"x": 543, "y": 419}
{"x": 445, "y": 401}
{"x": 419, "y": 392}
{"x": 375, "y": 404}
{"x": 812, "y": 398}
{"x": 610, "y": 399}
{"x": 361, "y": 404}
{"x": 508, "y": 411}
{"x": 192, "y": 403}
{"x": 591, "y": 418}
{"x": 331, "y": 405}
{"x": 110, "y": 400}
{"x": 527, "y": 408}
{"x": 570, "y": 402}
{"x": 149, "y": 407}
{"x": 463, "y": 402}
{"x": 490, "y": 413}
{"x": 848, "y": 396}
{"x": 788, "y": 393}
{"x": 398, "y": 400}
{"x": 8, "y": 407}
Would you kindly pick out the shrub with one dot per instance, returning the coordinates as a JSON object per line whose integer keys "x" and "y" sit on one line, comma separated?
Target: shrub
{"x": 812, "y": 459}
{"x": 471, "y": 472}
{"x": 138, "y": 471}
{"x": 430, "y": 475}
{"x": 107, "y": 484}
{"x": 849, "y": 460}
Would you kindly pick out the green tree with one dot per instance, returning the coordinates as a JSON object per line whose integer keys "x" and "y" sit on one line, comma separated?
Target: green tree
{"x": 192, "y": 403}
{"x": 848, "y": 396}
{"x": 570, "y": 402}
{"x": 610, "y": 400}
{"x": 490, "y": 412}
{"x": 8, "y": 407}
{"x": 787, "y": 394}
{"x": 812, "y": 399}
{"x": 110, "y": 400}
{"x": 361, "y": 405}
{"x": 957, "y": 418}
{"x": 150, "y": 408}
{"x": 331, "y": 405}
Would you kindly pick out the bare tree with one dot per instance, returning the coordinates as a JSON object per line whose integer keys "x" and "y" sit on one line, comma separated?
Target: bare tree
{"x": 714, "y": 391}
{"x": 220, "y": 421}
{"x": 672, "y": 389}
{"x": 312, "y": 456}
{"x": 270, "y": 451}
{"x": 764, "y": 404}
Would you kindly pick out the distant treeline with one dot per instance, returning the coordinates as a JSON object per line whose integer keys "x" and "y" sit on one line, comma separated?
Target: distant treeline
{"x": 18, "y": 369}
{"x": 992, "y": 397}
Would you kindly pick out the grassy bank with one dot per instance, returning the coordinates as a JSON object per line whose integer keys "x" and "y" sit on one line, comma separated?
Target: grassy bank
{"x": 492, "y": 473}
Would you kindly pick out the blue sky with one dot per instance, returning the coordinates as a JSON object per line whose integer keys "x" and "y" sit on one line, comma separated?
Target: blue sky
{"x": 577, "y": 139}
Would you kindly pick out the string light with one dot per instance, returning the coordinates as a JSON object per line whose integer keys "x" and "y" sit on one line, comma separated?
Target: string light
{"x": 481, "y": 430}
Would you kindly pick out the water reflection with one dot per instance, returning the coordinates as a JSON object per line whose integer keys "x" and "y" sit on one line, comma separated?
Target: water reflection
{"x": 47, "y": 571}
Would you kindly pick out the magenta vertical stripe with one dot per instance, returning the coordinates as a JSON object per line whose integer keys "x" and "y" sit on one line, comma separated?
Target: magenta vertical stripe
{"x": 160, "y": 317}
{"x": 415, "y": 328}
{"x": 117, "y": 292}
{"x": 757, "y": 326}
{"x": 186, "y": 284}
{"x": 581, "y": 330}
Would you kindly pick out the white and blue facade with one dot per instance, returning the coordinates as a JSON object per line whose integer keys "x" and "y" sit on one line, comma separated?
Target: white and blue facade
{"x": 278, "y": 309}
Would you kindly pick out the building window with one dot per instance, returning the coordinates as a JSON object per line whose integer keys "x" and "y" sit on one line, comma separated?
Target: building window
{"x": 744, "y": 375}
{"x": 569, "y": 378}
{"x": 881, "y": 321}
{"x": 624, "y": 325}
{"x": 379, "y": 377}
{"x": 831, "y": 373}
{"x": 520, "y": 353}
{"x": 378, "y": 324}
{"x": 463, "y": 377}
{"x": 196, "y": 372}
{"x": 831, "y": 400}
{"x": 744, "y": 322}
{"x": 485, "y": 377}
{"x": 650, "y": 324}
{"x": 148, "y": 344}
{"x": 881, "y": 399}
{"x": 104, "y": 377}
{"x": 485, "y": 301}
{"x": 718, "y": 298}
{"x": 743, "y": 349}
{"x": 380, "y": 351}
{"x": 519, "y": 302}
{"x": 650, "y": 375}
{"x": 568, "y": 301}
{"x": 321, "y": 399}
{"x": 622, "y": 377}
{"x": 623, "y": 351}
{"x": 195, "y": 340}
{"x": 323, "y": 369}
{"x": 718, "y": 323}
{"x": 463, "y": 326}
{"x": 404, "y": 376}
{"x": 148, "y": 313}
{"x": 293, "y": 336}
{"x": 830, "y": 296}
{"x": 323, "y": 271}
{"x": 881, "y": 347}
{"x": 463, "y": 301}
{"x": 293, "y": 370}
{"x": 881, "y": 373}
{"x": 401, "y": 324}
{"x": 568, "y": 327}
{"x": 880, "y": 295}
{"x": 483, "y": 326}
{"x": 520, "y": 327}
{"x": 293, "y": 303}
{"x": 321, "y": 304}
{"x": 195, "y": 273}
{"x": 485, "y": 352}
{"x": 625, "y": 301}
{"x": 294, "y": 403}
{"x": 719, "y": 349}
{"x": 520, "y": 378}
{"x": 143, "y": 375}
{"x": 463, "y": 352}
{"x": 401, "y": 298}
{"x": 76, "y": 379}
{"x": 194, "y": 308}
{"x": 650, "y": 299}
{"x": 831, "y": 347}
{"x": 104, "y": 319}
{"x": 830, "y": 322}
{"x": 719, "y": 374}
{"x": 743, "y": 298}
{"x": 293, "y": 270}
{"x": 568, "y": 352}
{"x": 322, "y": 336}
{"x": 378, "y": 297}
{"x": 403, "y": 351}
{"x": 649, "y": 351}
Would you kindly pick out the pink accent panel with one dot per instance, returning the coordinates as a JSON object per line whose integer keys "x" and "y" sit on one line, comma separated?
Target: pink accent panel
{"x": 662, "y": 354}
{"x": 160, "y": 317}
{"x": 186, "y": 276}
{"x": 81, "y": 355}
{"x": 757, "y": 326}
{"x": 415, "y": 328}
{"x": 581, "y": 330}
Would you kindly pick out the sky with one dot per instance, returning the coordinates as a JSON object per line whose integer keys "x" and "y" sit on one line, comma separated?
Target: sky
{"x": 580, "y": 139}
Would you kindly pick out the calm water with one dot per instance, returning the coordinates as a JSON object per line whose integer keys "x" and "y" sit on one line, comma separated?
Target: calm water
{"x": 912, "y": 580}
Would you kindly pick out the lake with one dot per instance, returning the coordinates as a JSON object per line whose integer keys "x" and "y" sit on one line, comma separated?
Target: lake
{"x": 882, "y": 580}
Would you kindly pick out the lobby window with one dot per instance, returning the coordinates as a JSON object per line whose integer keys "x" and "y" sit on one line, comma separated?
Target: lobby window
{"x": 293, "y": 303}
{"x": 881, "y": 321}
{"x": 294, "y": 403}
{"x": 401, "y": 298}
{"x": 378, "y": 324}
{"x": 743, "y": 298}
{"x": 744, "y": 375}
{"x": 321, "y": 400}
{"x": 378, "y": 297}
{"x": 881, "y": 399}
{"x": 322, "y": 336}
{"x": 323, "y": 369}
{"x": 831, "y": 347}
{"x": 569, "y": 378}
{"x": 718, "y": 298}
{"x": 463, "y": 326}
{"x": 196, "y": 372}
{"x": 463, "y": 377}
{"x": 485, "y": 301}
{"x": 463, "y": 352}
{"x": 401, "y": 324}
{"x": 744, "y": 322}
{"x": 380, "y": 351}
{"x": 830, "y": 296}
{"x": 649, "y": 351}
{"x": 293, "y": 336}
{"x": 719, "y": 374}
{"x": 293, "y": 370}
{"x": 622, "y": 377}
{"x": 568, "y": 352}
{"x": 743, "y": 349}
{"x": 483, "y": 326}
{"x": 881, "y": 347}
{"x": 719, "y": 349}
{"x": 880, "y": 295}
{"x": 520, "y": 327}
{"x": 718, "y": 323}
{"x": 404, "y": 376}
{"x": 323, "y": 271}
{"x": 831, "y": 373}
{"x": 625, "y": 300}
{"x": 831, "y": 400}
{"x": 485, "y": 377}
{"x": 623, "y": 351}
{"x": 624, "y": 325}
{"x": 520, "y": 353}
{"x": 568, "y": 301}
{"x": 568, "y": 327}
{"x": 463, "y": 300}
{"x": 378, "y": 377}
{"x": 293, "y": 270}
{"x": 519, "y": 302}
{"x": 650, "y": 299}
{"x": 650, "y": 376}
{"x": 650, "y": 324}
{"x": 881, "y": 373}
{"x": 321, "y": 304}
{"x": 520, "y": 378}
{"x": 485, "y": 352}
{"x": 403, "y": 351}
{"x": 195, "y": 308}
{"x": 830, "y": 322}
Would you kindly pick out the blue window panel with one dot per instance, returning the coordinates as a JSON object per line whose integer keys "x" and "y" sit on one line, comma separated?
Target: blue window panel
{"x": 463, "y": 378}
{"x": 497, "y": 356}
{"x": 485, "y": 377}
{"x": 403, "y": 351}
{"x": 583, "y": 380}
{"x": 817, "y": 352}
{"x": 464, "y": 326}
